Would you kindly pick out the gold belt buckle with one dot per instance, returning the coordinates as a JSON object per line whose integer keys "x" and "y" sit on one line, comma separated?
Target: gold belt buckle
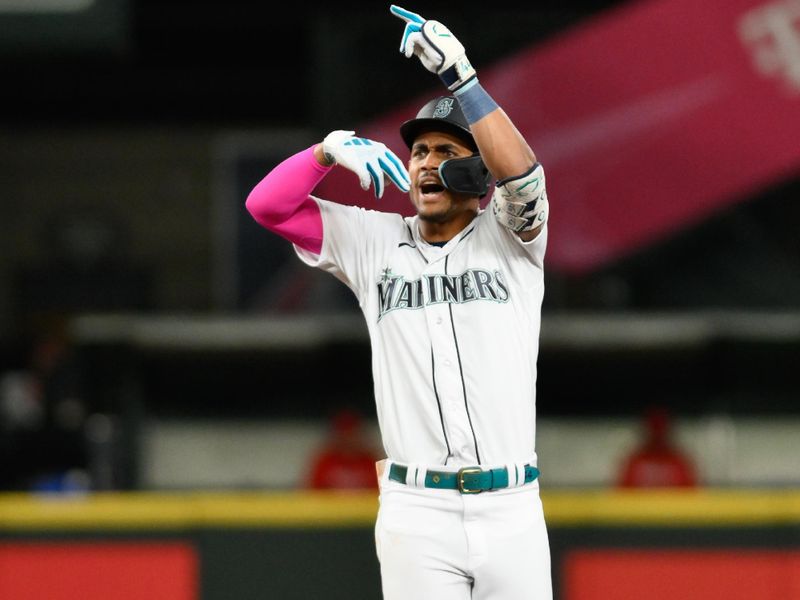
{"x": 460, "y": 479}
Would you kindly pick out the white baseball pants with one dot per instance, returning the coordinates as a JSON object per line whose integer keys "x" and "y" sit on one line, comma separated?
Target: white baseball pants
{"x": 443, "y": 545}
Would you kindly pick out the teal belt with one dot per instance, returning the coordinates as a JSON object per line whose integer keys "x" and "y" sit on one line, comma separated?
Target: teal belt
{"x": 469, "y": 480}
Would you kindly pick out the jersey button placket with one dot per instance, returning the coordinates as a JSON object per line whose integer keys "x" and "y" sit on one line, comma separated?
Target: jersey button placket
{"x": 448, "y": 380}
{"x": 446, "y": 372}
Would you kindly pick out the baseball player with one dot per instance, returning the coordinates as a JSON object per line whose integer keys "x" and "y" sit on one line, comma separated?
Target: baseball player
{"x": 452, "y": 298}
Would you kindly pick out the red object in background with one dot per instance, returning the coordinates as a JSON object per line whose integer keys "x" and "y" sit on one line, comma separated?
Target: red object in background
{"x": 658, "y": 468}
{"x": 347, "y": 460}
{"x": 647, "y": 120}
{"x": 686, "y": 575}
{"x": 99, "y": 571}
{"x": 333, "y": 470}
{"x": 657, "y": 462}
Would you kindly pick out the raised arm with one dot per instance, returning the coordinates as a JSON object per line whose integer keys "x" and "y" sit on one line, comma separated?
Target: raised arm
{"x": 282, "y": 201}
{"x": 502, "y": 147}
{"x": 520, "y": 200}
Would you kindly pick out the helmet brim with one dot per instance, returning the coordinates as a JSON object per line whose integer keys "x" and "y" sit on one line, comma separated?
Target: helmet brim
{"x": 412, "y": 129}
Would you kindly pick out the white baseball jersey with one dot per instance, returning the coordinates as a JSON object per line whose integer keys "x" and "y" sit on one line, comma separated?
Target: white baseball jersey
{"x": 454, "y": 332}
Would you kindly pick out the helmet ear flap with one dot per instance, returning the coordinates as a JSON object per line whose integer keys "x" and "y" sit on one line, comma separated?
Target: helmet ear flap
{"x": 467, "y": 175}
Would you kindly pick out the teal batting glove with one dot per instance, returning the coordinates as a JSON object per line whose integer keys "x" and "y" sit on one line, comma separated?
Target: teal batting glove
{"x": 368, "y": 159}
{"x": 436, "y": 47}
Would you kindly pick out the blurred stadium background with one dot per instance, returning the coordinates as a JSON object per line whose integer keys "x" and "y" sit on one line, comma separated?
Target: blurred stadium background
{"x": 168, "y": 370}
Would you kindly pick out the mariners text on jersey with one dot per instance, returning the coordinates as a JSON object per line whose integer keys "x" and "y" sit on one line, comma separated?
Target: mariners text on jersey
{"x": 454, "y": 332}
{"x": 395, "y": 292}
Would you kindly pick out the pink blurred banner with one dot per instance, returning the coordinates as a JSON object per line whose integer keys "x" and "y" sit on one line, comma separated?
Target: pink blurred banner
{"x": 647, "y": 119}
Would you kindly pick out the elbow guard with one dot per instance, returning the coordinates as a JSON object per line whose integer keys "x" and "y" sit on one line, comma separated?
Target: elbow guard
{"x": 520, "y": 203}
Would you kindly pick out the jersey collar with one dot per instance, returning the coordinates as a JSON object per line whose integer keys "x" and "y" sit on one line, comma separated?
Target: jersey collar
{"x": 433, "y": 253}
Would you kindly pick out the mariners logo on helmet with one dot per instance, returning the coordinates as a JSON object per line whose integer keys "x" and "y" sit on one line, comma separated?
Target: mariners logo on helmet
{"x": 440, "y": 114}
{"x": 443, "y": 108}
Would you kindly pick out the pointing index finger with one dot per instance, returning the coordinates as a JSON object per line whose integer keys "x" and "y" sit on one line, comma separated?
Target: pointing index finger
{"x": 406, "y": 15}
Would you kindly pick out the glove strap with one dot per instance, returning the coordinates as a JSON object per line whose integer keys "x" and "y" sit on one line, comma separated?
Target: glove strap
{"x": 459, "y": 74}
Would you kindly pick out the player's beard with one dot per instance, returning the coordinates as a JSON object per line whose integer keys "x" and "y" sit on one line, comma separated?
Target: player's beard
{"x": 445, "y": 212}
{"x": 442, "y": 215}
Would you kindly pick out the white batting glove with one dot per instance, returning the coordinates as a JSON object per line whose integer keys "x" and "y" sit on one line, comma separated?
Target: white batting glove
{"x": 436, "y": 47}
{"x": 368, "y": 159}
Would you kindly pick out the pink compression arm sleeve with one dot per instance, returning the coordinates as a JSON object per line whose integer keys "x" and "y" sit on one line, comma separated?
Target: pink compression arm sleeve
{"x": 281, "y": 202}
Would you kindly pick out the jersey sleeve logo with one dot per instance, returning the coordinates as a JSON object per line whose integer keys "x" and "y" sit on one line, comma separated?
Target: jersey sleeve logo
{"x": 394, "y": 292}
